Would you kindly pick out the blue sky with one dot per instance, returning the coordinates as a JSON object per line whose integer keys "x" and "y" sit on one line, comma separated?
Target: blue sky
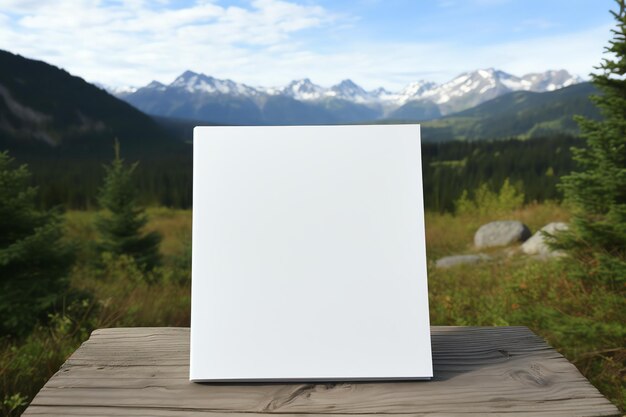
{"x": 270, "y": 42}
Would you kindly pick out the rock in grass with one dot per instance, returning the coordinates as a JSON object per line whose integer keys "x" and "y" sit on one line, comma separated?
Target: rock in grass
{"x": 454, "y": 260}
{"x": 501, "y": 233}
{"x": 537, "y": 245}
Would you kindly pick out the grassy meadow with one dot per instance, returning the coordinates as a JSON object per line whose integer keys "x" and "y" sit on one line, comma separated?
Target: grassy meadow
{"x": 584, "y": 322}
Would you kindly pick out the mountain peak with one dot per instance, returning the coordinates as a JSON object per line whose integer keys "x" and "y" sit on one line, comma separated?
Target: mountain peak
{"x": 349, "y": 90}
{"x": 188, "y": 74}
{"x": 304, "y": 89}
{"x": 194, "y": 82}
{"x": 347, "y": 83}
{"x": 155, "y": 84}
{"x": 490, "y": 73}
{"x": 186, "y": 80}
{"x": 414, "y": 91}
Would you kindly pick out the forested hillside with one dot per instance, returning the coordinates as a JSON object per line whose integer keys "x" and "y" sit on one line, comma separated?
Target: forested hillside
{"x": 520, "y": 114}
{"x": 64, "y": 129}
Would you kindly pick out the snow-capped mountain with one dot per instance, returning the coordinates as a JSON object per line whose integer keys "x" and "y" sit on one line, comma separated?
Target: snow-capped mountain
{"x": 550, "y": 80}
{"x": 193, "y": 83}
{"x": 413, "y": 91}
{"x": 303, "y": 90}
{"x": 194, "y": 95}
{"x": 470, "y": 89}
{"x": 473, "y": 88}
{"x": 348, "y": 90}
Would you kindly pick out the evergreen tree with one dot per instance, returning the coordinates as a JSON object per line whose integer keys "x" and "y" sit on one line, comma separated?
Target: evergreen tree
{"x": 33, "y": 260}
{"x": 597, "y": 192}
{"x": 121, "y": 220}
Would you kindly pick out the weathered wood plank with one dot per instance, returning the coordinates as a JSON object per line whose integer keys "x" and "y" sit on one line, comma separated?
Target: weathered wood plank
{"x": 481, "y": 370}
{"x": 167, "y": 412}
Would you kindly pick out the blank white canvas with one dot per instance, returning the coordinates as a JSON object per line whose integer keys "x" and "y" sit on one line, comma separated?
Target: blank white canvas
{"x": 309, "y": 259}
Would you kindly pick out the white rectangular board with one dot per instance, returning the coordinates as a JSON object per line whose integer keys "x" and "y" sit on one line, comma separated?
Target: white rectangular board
{"x": 309, "y": 258}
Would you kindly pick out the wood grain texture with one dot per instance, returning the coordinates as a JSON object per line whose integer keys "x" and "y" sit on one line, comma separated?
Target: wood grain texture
{"x": 478, "y": 371}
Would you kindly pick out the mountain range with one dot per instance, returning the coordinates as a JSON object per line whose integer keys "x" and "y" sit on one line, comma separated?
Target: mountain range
{"x": 43, "y": 105}
{"x": 201, "y": 97}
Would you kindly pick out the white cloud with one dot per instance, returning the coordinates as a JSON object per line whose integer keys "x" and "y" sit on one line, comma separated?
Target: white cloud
{"x": 374, "y": 64}
{"x": 132, "y": 42}
{"x": 577, "y": 52}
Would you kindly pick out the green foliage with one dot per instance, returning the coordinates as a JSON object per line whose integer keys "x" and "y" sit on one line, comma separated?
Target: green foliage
{"x": 490, "y": 202}
{"x": 33, "y": 260}
{"x": 12, "y": 403}
{"x": 120, "y": 294}
{"x": 121, "y": 222}
{"x": 597, "y": 191}
{"x": 452, "y": 167}
{"x": 26, "y": 364}
{"x": 585, "y": 323}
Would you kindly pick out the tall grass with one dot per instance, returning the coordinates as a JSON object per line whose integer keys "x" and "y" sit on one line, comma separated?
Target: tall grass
{"x": 115, "y": 293}
{"x": 584, "y": 322}
{"x": 448, "y": 234}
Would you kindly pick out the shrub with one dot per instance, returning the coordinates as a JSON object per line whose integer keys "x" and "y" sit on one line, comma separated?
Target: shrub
{"x": 34, "y": 262}
{"x": 487, "y": 202}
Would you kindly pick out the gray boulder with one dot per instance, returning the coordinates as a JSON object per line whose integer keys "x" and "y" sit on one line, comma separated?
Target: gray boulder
{"x": 501, "y": 233}
{"x": 454, "y": 260}
{"x": 536, "y": 245}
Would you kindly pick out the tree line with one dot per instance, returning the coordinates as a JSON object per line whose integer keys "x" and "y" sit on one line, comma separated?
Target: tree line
{"x": 450, "y": 168}
{"x": 533, "y": 166}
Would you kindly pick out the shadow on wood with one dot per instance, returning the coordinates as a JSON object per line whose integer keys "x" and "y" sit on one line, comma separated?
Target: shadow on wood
{"x": 478, "y": 370}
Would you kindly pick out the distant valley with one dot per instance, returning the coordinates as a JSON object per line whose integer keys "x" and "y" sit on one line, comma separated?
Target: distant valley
{"x": 64, "y": 127}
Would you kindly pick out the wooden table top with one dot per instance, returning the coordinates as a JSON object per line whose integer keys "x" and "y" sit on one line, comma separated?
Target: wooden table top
{"x": 478, "y": 370}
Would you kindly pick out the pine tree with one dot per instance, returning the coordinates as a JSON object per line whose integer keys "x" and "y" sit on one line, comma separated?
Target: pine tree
{"x": 121, "y": 220}
{"x": 597, "y": 191}
{"x": 33, "y": 260}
